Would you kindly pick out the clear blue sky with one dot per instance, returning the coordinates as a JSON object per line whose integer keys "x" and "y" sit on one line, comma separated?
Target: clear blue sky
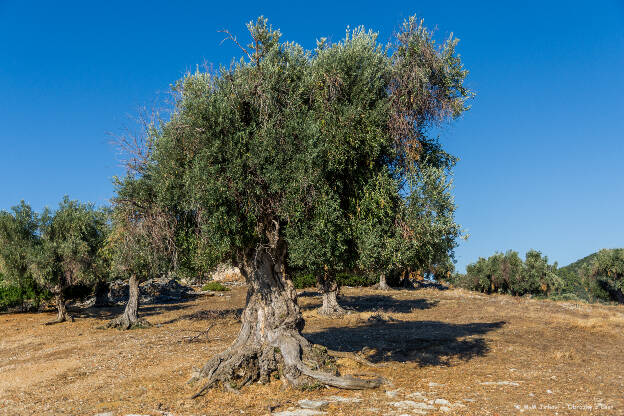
{"x": 541, "y": 151}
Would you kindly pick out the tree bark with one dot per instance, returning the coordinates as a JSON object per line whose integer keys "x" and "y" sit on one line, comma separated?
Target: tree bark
{"x": 130, "y": 318}
{"x": 270, "y": 342}
{"x": 328, "y": 287}
{"x": 383, "y": 285}
{"x": 62, "y": 314}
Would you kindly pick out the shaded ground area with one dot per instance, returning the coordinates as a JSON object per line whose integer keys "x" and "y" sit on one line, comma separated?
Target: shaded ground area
{"x": 445, "y": 352}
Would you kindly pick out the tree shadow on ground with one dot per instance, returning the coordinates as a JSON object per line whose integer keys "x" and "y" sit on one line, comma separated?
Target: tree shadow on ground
{"x": 429, "y": 343}
{"x": 208, "y": 315}
{"x": 381, "y": 303}
{"x": 145, "y": 310}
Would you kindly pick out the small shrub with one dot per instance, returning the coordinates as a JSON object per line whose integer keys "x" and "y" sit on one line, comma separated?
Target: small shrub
{"x": 215, "y": 287}
{"x": 12, "y": 296}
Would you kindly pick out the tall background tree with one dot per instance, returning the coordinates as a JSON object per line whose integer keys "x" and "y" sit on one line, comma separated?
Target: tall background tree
{"x": 141, "y": 244}
{"x": 269, "y": 160}
{"x": 66, "y": 253}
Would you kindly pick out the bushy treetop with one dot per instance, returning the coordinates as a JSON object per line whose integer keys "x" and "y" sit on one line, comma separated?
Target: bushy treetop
{"x": 291, "y": 144}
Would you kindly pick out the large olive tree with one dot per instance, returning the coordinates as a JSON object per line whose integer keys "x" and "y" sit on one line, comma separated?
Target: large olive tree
{"x": 272, "y": 158}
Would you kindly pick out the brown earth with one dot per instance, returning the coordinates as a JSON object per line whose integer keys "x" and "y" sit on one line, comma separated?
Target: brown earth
{"x": 484, "y": 355}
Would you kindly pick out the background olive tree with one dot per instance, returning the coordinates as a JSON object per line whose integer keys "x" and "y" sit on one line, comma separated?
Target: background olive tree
{"x": 605, "y": 275}
{"x": 18, "y": 238}
{"x": 65, "y": 255}
{"x": 508, "y": 273}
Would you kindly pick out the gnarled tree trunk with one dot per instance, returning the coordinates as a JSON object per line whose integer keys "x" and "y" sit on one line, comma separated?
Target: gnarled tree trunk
{"x": 328, "y": 287}
{"x": 383, "y": 285}
{"x": 270, "y": 341}
{"x": 62, "y": 314}
{"x": 101, "y": 294}
{"x": 130, "y": 318}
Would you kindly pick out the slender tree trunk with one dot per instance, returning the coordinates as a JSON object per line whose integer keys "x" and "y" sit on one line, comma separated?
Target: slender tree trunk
{"x": 328, "y": 287}
{"x": 406, "y": 282}
{"x": 62, "y": 314}
{"x": 101, "y": 294}
{"x": 270, "y": 341}
{"x": 383, "y": 285}
{"x": 130, "y": 318}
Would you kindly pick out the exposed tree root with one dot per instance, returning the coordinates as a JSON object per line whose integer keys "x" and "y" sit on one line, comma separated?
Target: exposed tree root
{"x": 123, "y": 322}
{"x": 67, "y": 317}
{"x": 62, "y": 315}
{"x": 130, "y": 318}
{"x": 355, "y": 357}
{"x": 295, "y": 360}
{"x": 330, "y": 306}
{"x": 269, "y": 344}
{"x": 332, "y": 310}
{"x": 383, "y": 285}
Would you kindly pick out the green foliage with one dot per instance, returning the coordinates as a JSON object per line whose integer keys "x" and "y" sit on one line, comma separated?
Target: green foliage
{"x": 605, "y": 276}
{"x": 18, "y": 238}
{"x": 324, "y": 151}
{"x": 67, "y": 248}
{"x": 304, "y": 280}
{"x": 28, "y": 296}
{"x": 580, "y": 281}
{"x": 507, "y": 273}
{"x": 215, "y": 287}
{"x": 142, "y": 240}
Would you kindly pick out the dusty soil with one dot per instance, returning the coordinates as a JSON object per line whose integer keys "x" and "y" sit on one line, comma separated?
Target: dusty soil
{"x": 474, "y": 354}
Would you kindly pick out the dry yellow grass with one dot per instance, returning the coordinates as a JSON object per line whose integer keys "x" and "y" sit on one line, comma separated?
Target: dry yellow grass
{"x": 493, "y": 355}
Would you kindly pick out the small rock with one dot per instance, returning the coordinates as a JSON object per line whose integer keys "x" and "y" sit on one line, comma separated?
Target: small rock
{"x": 445, "y": 409}
{"x": 341, "y": 399}
{"x": 413, "y": 405}
{"x": 442, "y": 402}
{"x": 105, "y": 414}
{"x": 416, "y": 395}
{"x": 549, "y": 391}
{"x": 313, "y": 404}
{"x": 500, "y": 383}
{"x": 300, "y": 412}
{"x": 432, "y": 384}
{"x": 392, "y": 393}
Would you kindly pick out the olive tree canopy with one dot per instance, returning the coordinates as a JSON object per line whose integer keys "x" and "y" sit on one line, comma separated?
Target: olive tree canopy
{"x": 272, "y": 159}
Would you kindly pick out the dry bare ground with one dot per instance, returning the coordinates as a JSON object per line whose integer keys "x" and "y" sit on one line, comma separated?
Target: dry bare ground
{"x": 444, "y": 352}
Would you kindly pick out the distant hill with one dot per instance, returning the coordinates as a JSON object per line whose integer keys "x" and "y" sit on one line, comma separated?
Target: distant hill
{"x": 578, "y": 265}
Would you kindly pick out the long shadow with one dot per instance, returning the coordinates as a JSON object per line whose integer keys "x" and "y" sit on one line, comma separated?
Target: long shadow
{"x": 382, "y": 303}
{"x": 148, "y": 309}
{"x": 208, "y": 315}
{"x": 425, "y": 342}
